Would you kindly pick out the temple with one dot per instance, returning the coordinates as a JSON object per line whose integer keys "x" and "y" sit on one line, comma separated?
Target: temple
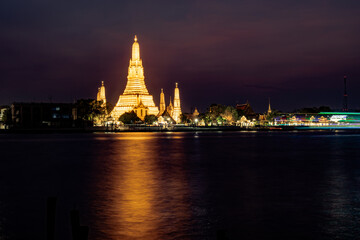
{"x": 177, "y": 108}
{"x": 101, "y": 94}
{"x": 172, "y": 110}
{"x": 269, "y": 109}
{"x": 162, "y": 102}
{"x": 136, "y": 96}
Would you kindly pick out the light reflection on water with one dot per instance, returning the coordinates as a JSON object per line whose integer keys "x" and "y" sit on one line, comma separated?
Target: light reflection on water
{"x": 144, "y": 199}
{"x": 184, "y": 185}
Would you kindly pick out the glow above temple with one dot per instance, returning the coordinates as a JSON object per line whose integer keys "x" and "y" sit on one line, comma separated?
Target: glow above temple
{"x": 136, "y": 96}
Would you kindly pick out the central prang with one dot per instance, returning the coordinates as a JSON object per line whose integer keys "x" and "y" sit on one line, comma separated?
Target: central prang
{"x": 136, "y": 97}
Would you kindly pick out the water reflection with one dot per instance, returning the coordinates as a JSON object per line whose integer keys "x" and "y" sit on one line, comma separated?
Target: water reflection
{"x": 136, "y": 189}
{"x": 339, "y": 196}
{"x": 143, "y": 194}
{"x": 179, "y": 186}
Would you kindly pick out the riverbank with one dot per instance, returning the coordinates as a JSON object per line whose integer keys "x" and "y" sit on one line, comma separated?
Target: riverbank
{"x": 175, "y": 128}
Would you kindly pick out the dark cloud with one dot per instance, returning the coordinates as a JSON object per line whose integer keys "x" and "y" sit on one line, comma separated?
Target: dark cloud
{"x": 295, "y": 52}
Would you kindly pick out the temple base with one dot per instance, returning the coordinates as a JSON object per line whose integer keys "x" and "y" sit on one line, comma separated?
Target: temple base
{"x": 128, "y": 103}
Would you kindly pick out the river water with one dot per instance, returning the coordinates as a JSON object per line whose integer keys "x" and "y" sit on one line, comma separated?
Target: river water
{"x": 245, "y": 185}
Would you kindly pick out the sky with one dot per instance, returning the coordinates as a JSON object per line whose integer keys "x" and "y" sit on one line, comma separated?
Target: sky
{"x": 293, "y": 52}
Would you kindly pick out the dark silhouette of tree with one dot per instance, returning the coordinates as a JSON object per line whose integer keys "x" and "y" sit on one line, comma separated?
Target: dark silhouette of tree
{"x": 314, "y": 109}
{"x": 96, "y": 109}
{"x": 274, "y": 113}
{"x": 7, "y": 117}
{"x": 184, "y": 118}
{"x": 129, "y": 118}
{"x": 109, "y": 107}
{"x": 325, "y": 109}
{"x": 88, "y": 109}
{"x": 150, "y": 119}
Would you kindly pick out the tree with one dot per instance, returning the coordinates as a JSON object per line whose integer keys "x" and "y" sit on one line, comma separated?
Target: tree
{"x": 150, "y": 119}
{"x": 230, "y": 114}
{"x": 109, "y": 107}
{"x": 313, "y": 109}
{"x": 90, "y": 110}
{"x": 84, "y": 109}
{"x": 184, "y": 118}
{"x": 7, "y": 117}
{"x": 129, "y": 118}
{"x": 274, "y": 113}
{"x": 214, "y": 112}
{"x": 96, "y": 110}
{"x": 220, "y": 120}
{"x": 220, "y": 114}
{"x": 325, "y": 109}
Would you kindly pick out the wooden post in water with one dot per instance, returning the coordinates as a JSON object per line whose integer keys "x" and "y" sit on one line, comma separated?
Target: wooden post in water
{"x": 84, "y": 232}
{"x": 221, "y": 235}
{"x": 50, "y": 218}
{"x": 78, "y": 232}
{"x": 75, "y": 224}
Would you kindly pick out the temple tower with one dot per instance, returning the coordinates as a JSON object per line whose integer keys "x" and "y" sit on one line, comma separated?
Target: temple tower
{"x": 170, "y": 108}
{"x": 162, "y": 102}
{"x": 196, "y": 112}
{"x": 98, "y": 95}
{"x": 101, "y": 94}
{"x": 177, "y": 108}
{"x": 135, "y": 90}
{"x": 269, "y": 109}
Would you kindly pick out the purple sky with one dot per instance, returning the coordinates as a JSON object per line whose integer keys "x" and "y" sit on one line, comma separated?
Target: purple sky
{"x": 295, "y": 52}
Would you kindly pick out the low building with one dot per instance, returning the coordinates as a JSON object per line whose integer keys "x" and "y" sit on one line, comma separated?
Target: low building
{"x": 41, "y": 115}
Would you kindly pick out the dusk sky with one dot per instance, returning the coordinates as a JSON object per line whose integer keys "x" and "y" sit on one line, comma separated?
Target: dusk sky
{"x": 295, "y": 52}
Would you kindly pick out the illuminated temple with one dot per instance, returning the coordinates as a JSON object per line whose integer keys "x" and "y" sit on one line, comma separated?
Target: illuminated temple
{"x": 136, "y": 96}
{"x": 101, "y": 94}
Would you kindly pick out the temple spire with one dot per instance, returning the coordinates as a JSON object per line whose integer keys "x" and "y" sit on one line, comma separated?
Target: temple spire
{"x": 177, "y": 107}
{"x": 101, "y": 94}
{"x": 269, "y": 110}
{"x": 162, "y": 102}
{"x": 170, "y": 108}
{"x": 136, "y": 83}
{"x": 135, "y": 50}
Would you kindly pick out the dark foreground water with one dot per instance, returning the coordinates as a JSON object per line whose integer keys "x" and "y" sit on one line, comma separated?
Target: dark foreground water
{"x": 253, "y": 185}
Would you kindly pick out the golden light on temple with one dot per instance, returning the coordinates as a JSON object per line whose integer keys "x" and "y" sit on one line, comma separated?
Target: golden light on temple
{"x": 101, "y": 94}
{"x": 162, "y": 102}
{"x": 172, "y": 111}
{"x": 177, "y": 107}
{"x": 136, "y": 96}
